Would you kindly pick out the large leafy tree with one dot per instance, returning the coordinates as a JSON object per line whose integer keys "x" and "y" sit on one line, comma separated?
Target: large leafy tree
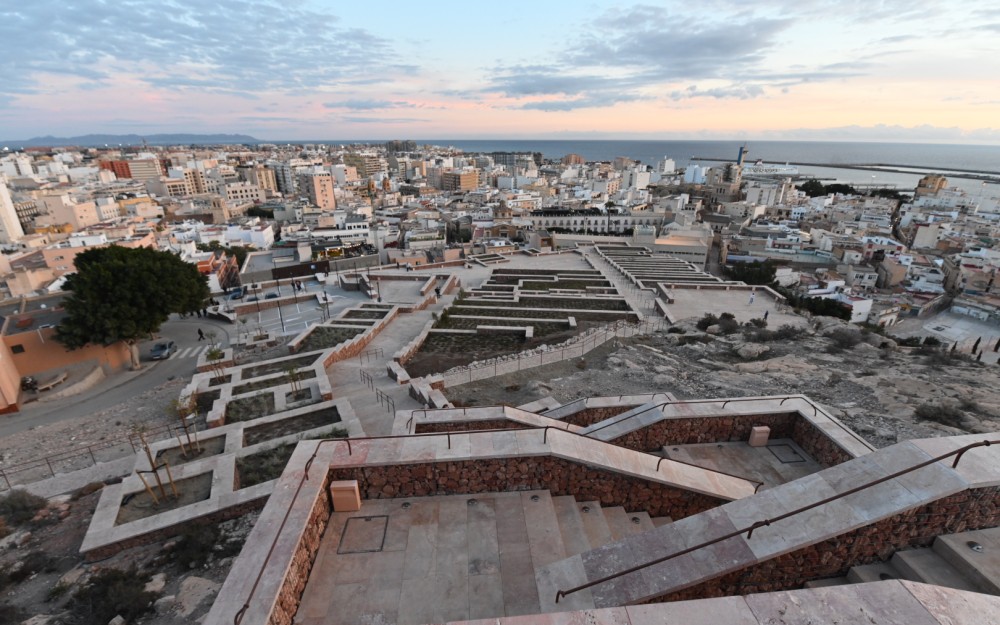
{"x": 126, "y": 294}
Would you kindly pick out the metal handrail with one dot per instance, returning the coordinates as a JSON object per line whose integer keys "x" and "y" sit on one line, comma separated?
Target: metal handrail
{"x": 238, "y": 617}
{"x": 958, "y": 453}
{"x": 708, "y": 401}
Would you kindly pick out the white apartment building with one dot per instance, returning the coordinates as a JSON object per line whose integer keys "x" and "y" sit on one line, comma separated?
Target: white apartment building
{"x": 10, "y": 227}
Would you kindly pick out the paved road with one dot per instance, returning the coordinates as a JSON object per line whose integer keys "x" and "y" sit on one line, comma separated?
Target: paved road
{"x": 123, "y": 386}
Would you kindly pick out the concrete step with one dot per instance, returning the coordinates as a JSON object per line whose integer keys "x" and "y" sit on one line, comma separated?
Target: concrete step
{"x": 574, "y": 535}
{"x": 618, "y": 522}
{"x": 594, "y": 524}
{"x": 544, "y": 538}
{"x": 660, "y": 521}
{"x": 644, "y": 523}
{"x": 826, "y": 583}
{"x": 878, "y": 571}
{"x": 923, "y": 565}
{"x": 982, "y": 566}
{"x": 520, "y": 594}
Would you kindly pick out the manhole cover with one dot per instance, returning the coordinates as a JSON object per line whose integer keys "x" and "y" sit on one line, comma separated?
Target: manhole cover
{"x": 785, "y": 454}
{"x": 364, "y": 534}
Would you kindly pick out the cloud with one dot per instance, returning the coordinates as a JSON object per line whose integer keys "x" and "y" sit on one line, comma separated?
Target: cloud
{"x": 368, "y": 105}
{"x": 231, "y": 46}
{"x": 382, "y": 120}
{"x": 632, "y": 54}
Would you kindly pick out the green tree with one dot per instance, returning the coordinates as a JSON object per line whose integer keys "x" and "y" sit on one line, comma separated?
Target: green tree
{"x": 239, "y": 251}
{"x": 812, "y": 188}
{"x": 759, "y": 273}
{"x": 125, "y": 294}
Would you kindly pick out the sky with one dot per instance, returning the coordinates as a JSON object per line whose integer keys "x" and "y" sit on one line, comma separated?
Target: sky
{"x": 878, "y": 70}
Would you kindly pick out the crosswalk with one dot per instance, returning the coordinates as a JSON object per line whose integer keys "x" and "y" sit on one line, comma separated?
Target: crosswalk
{"x": 190, "y": 352}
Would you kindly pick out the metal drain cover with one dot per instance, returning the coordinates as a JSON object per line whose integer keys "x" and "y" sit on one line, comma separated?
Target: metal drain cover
{"x": 363, "y": 534}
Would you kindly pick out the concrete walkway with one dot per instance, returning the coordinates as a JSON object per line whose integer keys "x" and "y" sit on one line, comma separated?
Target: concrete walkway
{"x": 345, "y": 376}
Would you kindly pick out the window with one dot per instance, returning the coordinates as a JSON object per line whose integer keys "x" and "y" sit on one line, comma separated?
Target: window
{"x": 17, "y": 349}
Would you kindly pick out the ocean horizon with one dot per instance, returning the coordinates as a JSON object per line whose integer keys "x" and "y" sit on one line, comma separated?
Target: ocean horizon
{"x": 940, "y": 156}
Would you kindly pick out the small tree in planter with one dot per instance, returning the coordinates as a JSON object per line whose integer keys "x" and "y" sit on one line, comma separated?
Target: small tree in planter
{"x": 214, "y": 358}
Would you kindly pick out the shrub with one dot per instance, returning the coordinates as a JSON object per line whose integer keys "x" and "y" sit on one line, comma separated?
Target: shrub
{"x": 944, "y": 414}
{"x": 112, "y": 592}
{"x": 34, "y": 562}
{"x": 910, "y": 341}
{"x": 708, "y": 320}
{"x": 758, "y": 323}
{"x": 788, "y": 331}
{"x": 198, "y": 542}
{"x": 20, "y": 506}
{"x": 843, "y": 338}
{"x": 676, "y": 330}
{"x": 727, "y": 316}
{"x": 931, "y": 341}
{"x": 689, "y": 338}
{"x": 728, "y": 325}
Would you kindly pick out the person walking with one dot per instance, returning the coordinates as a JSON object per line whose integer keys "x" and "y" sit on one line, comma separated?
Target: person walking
{"x": 201, "y": 335}
{"x": 752, "y": 295}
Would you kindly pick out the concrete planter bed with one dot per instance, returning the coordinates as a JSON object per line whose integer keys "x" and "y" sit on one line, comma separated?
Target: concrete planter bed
{"x": 249, "y": 408}
{"x": 139, "y": 505}
{"x": 209, "y": 447}
{"x": 256, "y": 385}
{"x": 442, "y": 351}
{"x": 364, "y": 314}
{"x": 255, "y": 434}
{"x": 325, "y": 337}
{"x": 544, "y": 328}
{"x": 276, "y": 366}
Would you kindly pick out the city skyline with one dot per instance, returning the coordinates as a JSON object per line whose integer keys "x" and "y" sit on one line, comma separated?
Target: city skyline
{"x": 892, "y": 71}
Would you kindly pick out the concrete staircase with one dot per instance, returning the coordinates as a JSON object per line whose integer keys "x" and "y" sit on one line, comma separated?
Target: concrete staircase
{"x": 582, "y": 527}
{"x": 967, "y": 561}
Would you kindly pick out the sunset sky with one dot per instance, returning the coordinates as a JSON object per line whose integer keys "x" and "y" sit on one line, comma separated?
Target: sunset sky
{"x": 908, "y": 70}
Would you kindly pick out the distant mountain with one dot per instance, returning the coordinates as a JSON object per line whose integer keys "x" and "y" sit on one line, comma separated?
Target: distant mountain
{"x": 102, "y": 140}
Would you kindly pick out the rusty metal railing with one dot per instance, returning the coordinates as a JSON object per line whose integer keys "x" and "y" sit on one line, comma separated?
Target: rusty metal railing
{"x": 958, "y": 453}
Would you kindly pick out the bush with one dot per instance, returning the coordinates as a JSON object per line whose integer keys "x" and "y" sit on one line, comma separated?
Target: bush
{"x": 910, "y": 341}
{"x": 940, "y": 413}
{"x": 20, "y": 506}
{"x": 708, "y": 320}
{"x": 728, "y": 326}
{"x": 843, "y": 338}
{"x": 758, "y": 322}
{"x": 931, "y": 341}
{"x": 34, "y": 562}
{"x": 112, "y": 592}
{"x": 727, "y": 316}
{"x": 676, "y": 330}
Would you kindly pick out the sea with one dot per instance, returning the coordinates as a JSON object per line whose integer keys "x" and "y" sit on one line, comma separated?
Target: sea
{"x": 954, "y": 161}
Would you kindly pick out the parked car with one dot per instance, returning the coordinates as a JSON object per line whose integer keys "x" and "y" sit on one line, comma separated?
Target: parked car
{"x": 237, "y": 294}
{"x": 163, "y": 350}
{"x": 271, "y": 295}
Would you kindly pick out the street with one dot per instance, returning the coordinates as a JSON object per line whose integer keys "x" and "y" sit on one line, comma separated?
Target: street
{"x": 122, "y": 386}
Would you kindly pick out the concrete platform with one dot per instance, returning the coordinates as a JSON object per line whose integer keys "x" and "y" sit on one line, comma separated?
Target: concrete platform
{"x": 781, "y": 461}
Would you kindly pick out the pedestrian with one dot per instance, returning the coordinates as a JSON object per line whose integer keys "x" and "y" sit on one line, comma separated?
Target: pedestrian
{"x": 752, "y": 295}
{"x": 765, "y": 314}
{"x": 204, "y": 312}
{"x": 199, "y": 313}
{"x": 201, "y": 335}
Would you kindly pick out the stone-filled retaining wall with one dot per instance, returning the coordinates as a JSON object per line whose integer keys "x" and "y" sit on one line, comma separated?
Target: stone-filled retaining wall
{"x": 218, "y": 516}
{"x": 590, "y": 416}
{"x": 560, "y": 477}
{"x": 294, "y": 582}
{"x": 470, "y": 426}
{"x": 968, "y": 510}
{"x": 693, "y": 430}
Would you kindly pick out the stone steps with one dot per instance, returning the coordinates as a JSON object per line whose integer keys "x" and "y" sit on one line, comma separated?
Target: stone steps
{"x": 924, "y": 565}
{"x": 981, "y": 567}
{"x": 950, "y": 562}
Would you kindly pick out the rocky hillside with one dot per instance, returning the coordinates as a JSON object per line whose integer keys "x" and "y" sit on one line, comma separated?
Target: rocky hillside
{"x": 884, "y": 391}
